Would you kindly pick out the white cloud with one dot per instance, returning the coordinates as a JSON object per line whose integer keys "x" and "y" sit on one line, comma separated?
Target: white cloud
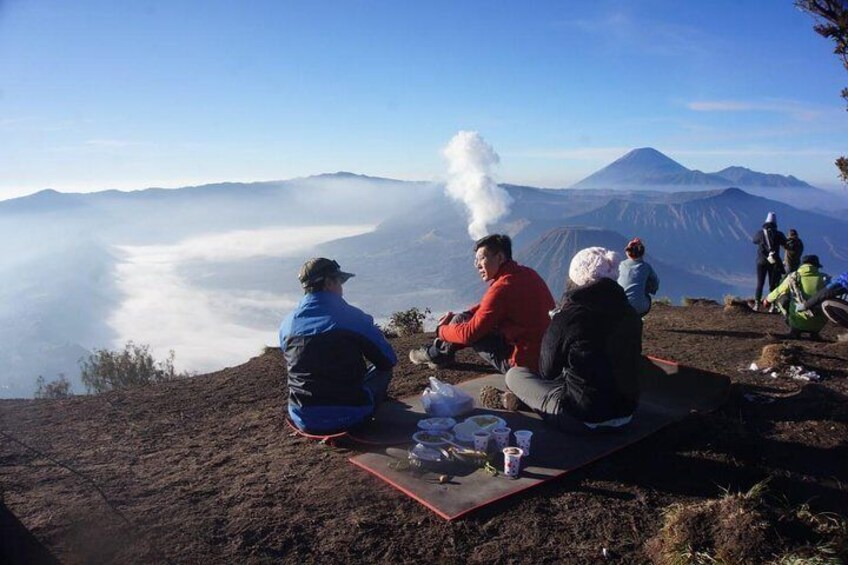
{"x": 797, "y": 110}
{"x": 621, "y": 29}
{"x": 208, "y": 329}
{"x": 110, "y": 143}
{"x": 755, "y": 152}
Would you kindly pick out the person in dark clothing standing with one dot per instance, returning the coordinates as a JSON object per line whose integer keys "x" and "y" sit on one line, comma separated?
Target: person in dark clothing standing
{"x": 326, "y": 343}
{"x": 768, "y": 240}
{"x": 794, "y": 250}
{"x": 588, "y": 378}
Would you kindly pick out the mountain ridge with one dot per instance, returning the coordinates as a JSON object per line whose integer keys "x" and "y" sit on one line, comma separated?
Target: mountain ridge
{"x": 647, "y": 166}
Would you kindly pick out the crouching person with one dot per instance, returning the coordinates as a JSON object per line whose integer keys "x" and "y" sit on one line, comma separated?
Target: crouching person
{"x": 830, "y": 302}
{"x": 795, "y": 290}
{"x": 588, "y": 376}
{"x": 326, "y": 343}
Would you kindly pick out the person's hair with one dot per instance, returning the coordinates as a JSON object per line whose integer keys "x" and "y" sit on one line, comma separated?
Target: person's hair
{"x": 496, "y": 243}
{"x": 318, "y": 285}
{"x": 635, "y": 248}
{"x": 793, "y": 232}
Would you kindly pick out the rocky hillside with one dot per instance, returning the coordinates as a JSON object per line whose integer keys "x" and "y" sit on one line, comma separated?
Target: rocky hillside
{"x": 204, "y": 470}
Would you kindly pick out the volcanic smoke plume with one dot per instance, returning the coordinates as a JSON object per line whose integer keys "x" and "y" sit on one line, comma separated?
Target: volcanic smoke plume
{"x": 470, "y": 160}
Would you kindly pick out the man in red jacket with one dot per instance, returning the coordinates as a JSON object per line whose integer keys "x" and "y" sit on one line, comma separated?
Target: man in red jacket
{"x": 506, "y": 328}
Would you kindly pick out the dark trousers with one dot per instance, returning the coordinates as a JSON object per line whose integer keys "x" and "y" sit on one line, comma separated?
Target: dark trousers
{"x": 377, "y": 384}
{"x": 774, "y": 273}
{"x": 492, "y": 348}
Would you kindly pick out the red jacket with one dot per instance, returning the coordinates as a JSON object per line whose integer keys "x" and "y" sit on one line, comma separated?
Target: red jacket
{"x": 516, "y": 305}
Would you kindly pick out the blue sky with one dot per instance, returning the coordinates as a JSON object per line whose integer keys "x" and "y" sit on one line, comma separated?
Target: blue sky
{"x": 102, "y": 94}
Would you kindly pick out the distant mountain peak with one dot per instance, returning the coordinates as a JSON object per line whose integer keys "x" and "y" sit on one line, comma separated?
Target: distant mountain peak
{"x": 649, "y": 158}
{"x": 646, "y": 167}
{"x": 744, "y": 176}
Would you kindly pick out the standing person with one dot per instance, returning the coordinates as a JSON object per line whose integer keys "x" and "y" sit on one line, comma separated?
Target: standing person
{"x": 507, "y": 326}
{"x": 326, "y": 342}
{"x": 768, "y": 241}
{"x": 794, "y": 250}
{"x": 591, "y": 355}
{"x": 794, "y": 291}
{"x": 637, "y": 277}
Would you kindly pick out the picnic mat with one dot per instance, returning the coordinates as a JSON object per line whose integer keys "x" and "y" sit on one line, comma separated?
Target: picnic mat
{"x": 669, "y": 392}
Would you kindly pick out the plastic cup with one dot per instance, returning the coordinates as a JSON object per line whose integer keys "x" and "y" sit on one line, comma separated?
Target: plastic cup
{"x": 481, "y": 440}
{"x": 501, "y": 437}
{"x": 512, "y": 461}
{"x": 522, "y": 440}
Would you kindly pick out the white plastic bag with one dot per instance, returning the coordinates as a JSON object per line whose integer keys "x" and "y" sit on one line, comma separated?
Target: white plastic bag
{"x": 442, "y": 399}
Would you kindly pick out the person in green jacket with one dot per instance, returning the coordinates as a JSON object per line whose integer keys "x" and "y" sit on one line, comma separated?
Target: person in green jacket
{"x": 796, "y": 288}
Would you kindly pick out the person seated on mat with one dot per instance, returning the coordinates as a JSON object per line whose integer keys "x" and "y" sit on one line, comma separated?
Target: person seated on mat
{"x": 795, "y": 289}
{"x": 829, "y": 296}
{"x": 588, "y": 376}
{"x": 637, "y": 277}
{"x": 326, "y": 343}
{"x": 507, "y": 326}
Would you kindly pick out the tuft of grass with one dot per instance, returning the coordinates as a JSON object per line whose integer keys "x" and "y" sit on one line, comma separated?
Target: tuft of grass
{"x": 749, "y": 527}
{"x": 731, "y": 300}
{"x": 698, "y": 301}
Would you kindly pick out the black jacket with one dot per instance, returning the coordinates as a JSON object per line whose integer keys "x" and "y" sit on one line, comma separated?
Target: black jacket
{"x": 594, "y": 346}
{"x": 794, "y": 250}
{"x": 775, "y": 240}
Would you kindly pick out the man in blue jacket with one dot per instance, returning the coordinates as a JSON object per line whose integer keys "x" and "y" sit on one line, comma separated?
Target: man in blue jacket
{"x": 326, "y": 343}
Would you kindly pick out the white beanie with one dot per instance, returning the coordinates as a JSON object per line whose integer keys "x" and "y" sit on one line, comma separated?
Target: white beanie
{"x": 771, "y": 218}
{"x": 592, "y": 264}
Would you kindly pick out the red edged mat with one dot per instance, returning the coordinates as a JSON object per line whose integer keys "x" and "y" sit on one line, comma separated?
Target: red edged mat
{"x": 369, "y": 434}
{"x": 669, "y": 392}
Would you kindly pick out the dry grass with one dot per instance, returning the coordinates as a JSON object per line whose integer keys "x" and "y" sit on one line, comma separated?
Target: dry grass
{"x": 731, "y": 529}
{"x": 748, "y": 528}
{"x": 690, "y": 301}
{"x": 777, "y": 356}
{"x": 736, "y": 304}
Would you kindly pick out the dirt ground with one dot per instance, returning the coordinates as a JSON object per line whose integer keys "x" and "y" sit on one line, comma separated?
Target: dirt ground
{"x": 205, "y": 470}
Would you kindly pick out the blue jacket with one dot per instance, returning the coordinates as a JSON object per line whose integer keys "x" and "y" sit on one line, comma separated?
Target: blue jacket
{"x": 840, "y": 281}
{"x": 326, "y": 342}
{"x": 639, "y": 281}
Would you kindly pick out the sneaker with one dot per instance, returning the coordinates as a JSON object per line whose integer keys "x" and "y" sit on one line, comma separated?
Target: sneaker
{"x": 510, "y": 401}
{"x": 496, "y": 399}
{"x": 421, "y": 357}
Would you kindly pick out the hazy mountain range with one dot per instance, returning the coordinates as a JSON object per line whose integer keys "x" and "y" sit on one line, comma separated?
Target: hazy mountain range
{"x": 647, "y": 168}
{"x": 92, "y": 270}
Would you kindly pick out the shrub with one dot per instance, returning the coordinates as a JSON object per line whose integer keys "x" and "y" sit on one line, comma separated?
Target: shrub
{"x": 133, "y": 366}
{"x": 406, "y": 322}
{"x": 60, "y": 388}
{"x": 664, "y": 300}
